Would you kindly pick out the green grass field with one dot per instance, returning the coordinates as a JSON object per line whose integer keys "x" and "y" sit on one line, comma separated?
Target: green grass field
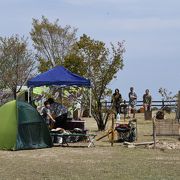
{"x": 100, "y": 162}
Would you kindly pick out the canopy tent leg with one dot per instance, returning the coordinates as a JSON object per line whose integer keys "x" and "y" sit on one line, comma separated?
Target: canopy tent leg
{"x": 90, "y": 104}
{"x": 28, "y": 95}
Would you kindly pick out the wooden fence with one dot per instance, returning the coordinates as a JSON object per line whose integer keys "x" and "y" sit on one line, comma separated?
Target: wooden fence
{"x": 158, "y": 104}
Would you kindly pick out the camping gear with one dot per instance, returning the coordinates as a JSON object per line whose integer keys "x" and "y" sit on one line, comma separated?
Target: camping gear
{"x": 74, "y": 137}
{"x": 126, "y": 132}
{"x": 59, "y": 76}
{"x": 118, "y": 118}
{"x": 22, "y": 127}
{"x": 160, "y": 115}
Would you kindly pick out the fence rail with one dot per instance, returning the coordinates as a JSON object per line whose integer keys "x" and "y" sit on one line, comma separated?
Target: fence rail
{"x": 172, "y": 103}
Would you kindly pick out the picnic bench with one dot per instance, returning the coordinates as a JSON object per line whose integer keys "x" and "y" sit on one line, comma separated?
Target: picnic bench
{"x": 89, "y": 137}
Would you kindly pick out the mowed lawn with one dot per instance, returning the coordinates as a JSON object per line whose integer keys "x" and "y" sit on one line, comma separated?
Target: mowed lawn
{"x": 100, "y": 162}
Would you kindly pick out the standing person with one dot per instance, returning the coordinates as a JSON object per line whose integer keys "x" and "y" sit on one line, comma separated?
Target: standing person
{"x": 116, "y": 101}
{"x": 46, "y": 114}
{"x": 59, "y": 112}
{"x": 132, "y": 101}
{"x": 147, "y": 100}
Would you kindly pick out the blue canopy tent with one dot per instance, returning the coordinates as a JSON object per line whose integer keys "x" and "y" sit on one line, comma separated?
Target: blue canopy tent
{"x": 59, "y": 76}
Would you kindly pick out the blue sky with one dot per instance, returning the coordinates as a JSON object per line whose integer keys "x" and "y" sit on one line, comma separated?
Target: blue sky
{"x": 150, "y": 29}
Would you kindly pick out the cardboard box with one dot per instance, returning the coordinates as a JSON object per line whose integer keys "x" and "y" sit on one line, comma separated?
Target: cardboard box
{"x": 148, "y": 115}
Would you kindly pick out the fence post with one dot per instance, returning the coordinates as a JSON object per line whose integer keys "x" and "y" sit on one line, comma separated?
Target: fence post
{"x": 162, "y": 102}
{"x": 105, "y": 104}
{"x": 178, "y": 107}
{"x": 154, "y": 131}
{"x": 112, "y": 137}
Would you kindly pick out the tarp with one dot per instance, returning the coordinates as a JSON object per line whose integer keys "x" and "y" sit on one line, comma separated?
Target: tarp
{"x": 59, "y": 76}
{"x": 40, "y": 90}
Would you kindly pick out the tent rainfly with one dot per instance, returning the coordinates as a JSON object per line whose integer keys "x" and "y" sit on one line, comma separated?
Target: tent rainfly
{"x": 22, "y": 127}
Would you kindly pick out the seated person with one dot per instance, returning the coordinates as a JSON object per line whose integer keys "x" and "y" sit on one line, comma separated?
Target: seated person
{"x": 59, "y": 112}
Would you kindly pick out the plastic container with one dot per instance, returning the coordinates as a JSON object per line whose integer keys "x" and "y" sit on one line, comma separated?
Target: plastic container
{"x": 118, "y": 117}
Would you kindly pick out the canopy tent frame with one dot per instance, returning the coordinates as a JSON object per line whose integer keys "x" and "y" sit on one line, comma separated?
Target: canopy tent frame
{"x": 62, "y": 77}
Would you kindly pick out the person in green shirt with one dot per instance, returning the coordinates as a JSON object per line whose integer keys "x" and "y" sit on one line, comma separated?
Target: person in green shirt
{"x": 147, "y": 100}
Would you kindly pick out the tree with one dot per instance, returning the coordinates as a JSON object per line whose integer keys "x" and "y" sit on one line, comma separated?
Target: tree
{"x": 75, "y": 63}
{"x": 102, "y": 64}
{"x": 167, "y": 96}
{"x": 52, "y": 42}
{"x": 16, "y": 63}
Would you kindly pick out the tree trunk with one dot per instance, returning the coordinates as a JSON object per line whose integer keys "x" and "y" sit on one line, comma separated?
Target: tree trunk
{"x": 14, "y": 94}
{"x": 100, "y": 123}
{"x": 101, "y": 127}
{"x": 101, "y": 119}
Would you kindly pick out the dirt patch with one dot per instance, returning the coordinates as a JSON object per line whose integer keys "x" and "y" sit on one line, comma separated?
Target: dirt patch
{"x": 167, "y": 145}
